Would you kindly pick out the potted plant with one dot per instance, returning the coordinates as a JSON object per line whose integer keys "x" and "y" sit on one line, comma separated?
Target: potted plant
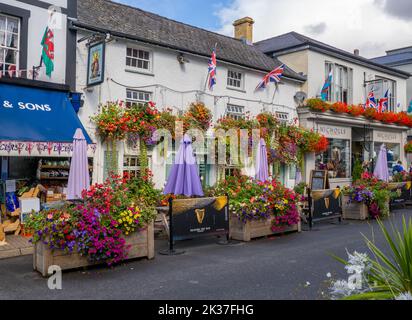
{"x": 111, "y": 225}
{"x": 367, "y": 197}
{"x": 401, "y": 184}
{"x": 259, "y": 209}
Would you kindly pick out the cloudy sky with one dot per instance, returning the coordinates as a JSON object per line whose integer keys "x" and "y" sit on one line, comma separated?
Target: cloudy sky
{"x": 373, "y": 26}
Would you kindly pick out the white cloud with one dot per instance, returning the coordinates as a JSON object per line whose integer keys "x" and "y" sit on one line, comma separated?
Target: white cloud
{"x": 350, "y": 24}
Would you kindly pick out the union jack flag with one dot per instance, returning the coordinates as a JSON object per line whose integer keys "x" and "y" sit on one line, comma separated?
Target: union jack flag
{"x": 273, "y": 76}
{"x": 383, "y": 103}
{"x": 371, "y": 101}
{"x": 212, "y": 70}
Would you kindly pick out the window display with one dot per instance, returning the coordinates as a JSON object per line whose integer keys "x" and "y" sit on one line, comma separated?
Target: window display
{"x": 393, "y": 154}
{"x": 336, "y": 160}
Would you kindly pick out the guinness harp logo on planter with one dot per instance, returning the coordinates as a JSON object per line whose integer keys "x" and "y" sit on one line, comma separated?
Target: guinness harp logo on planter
{"x": 327, "y": 203}
{"x": 200, "y": 214}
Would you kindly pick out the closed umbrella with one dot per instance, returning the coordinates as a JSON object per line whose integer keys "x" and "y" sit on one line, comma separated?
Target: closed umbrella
{"x": 298, "y": 177}
{"x": 381, "y": 169}
{"x": 262, "y": 171}
{"x": 184, "y": 178}
{"x": 79, "y": 178}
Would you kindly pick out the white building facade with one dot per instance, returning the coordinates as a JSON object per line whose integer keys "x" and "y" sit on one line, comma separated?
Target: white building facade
{"x": 23, "y": 23}
{"x": 353, "y": 77}
{"x": 139, "y": 69}
{"x": 400, "y": 59}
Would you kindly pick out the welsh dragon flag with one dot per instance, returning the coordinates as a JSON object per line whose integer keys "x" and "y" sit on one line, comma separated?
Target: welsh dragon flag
{"x": 48, "y": 51}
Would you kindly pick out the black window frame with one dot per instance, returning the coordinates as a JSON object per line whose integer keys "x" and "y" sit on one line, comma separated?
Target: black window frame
{"x": 24, "y": 16}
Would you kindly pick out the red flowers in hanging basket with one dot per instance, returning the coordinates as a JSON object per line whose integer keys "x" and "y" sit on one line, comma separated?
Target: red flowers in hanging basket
{"x": 322, "y": 145}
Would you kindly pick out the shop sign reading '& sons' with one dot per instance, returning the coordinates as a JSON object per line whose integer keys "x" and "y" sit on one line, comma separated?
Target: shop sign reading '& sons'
{"x": 335, "y": 132}
{"x": 28, "y": 106}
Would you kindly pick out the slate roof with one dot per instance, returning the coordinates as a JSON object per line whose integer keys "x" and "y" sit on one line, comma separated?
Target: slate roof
{"x": 395, "y": 59}
{"x": 136, "y": 24}
{"x": 294, "y": 41}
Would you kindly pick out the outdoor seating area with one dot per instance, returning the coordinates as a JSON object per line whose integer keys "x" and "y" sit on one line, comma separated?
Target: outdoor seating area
{"x": 115, "y": 221}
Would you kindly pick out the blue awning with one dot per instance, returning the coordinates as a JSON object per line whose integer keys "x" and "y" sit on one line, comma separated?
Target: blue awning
{"x": 37, "y": 115}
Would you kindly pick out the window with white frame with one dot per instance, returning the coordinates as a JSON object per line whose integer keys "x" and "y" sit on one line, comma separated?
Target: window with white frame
{"x": 235, "y": 79}
{"x": 235, "y": 112}
{"x": 380, "y": 87}
{"x": 137, "y": 97}
{"x": 341, "y": 88}
{"x": 131, "y": 166}
{"x": 139, "y": 59}
{"x": 9, "y": 43}
{"x": 282, "y": 116}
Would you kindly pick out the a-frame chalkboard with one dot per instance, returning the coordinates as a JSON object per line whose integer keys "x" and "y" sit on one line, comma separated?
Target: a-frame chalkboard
{"x": 319, "y": 180}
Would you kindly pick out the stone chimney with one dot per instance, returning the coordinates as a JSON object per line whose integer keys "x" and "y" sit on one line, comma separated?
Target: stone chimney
{"x": 356, "y": 52}
{"x": 244, "y": 29}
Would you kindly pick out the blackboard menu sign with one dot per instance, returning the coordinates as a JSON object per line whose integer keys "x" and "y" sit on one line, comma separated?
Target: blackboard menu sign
{"x": 319, "y": 180}
{"x": 194, "y": 218}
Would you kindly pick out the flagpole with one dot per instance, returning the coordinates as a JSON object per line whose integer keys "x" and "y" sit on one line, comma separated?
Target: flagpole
{"x": 208, "y": 75}
{"x": 274, "y": 93}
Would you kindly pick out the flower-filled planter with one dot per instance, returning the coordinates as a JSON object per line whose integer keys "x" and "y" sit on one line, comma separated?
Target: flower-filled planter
{"x": 113, "y": 223}
{"x": 140, "y": 244}
{"x": 353, "y": 210}
{"x": 260, "y": 209}
{"x": 401, "y": 118}
{"x": 367, "y": 198}
{"x": 401, "y": 186}
{"x": 252, "y": 229}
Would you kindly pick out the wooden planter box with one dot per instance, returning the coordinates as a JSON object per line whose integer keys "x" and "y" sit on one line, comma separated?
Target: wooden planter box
{"x": 142, "y": 245}
{"x": 354, "y": 210}
{"x": 256, "y": 229}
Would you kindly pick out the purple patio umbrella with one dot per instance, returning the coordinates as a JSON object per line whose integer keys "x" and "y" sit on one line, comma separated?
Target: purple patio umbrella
{"x": 298, "y": 177}
{"x": 381, "y": 169}
{"x": 79, "y": 178}
{"x": 184, "y": 178}
{"x": 262, "y": 171}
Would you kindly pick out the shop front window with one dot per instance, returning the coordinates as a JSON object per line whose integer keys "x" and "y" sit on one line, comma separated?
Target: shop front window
{"x": 393, "y": 154}
{"x": 336, "y": 160}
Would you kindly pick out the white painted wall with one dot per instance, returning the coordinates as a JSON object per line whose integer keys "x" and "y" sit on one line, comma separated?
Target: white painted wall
{"x": 168, "y": 72}
{"x": 37, "y": 25}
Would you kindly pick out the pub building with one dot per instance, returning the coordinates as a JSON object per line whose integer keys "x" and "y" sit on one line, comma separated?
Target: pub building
{"x": 351, "y": 138}
{"x": 353, "y": 79}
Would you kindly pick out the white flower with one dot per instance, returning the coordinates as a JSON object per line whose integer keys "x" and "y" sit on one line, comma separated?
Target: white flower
{"x": 307, "y": 284}
{"x": 358, "y": 263}
{"x": 340, "y": 288}
{"x": 329, "y": 275}
{"x": 404, "y": 296}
